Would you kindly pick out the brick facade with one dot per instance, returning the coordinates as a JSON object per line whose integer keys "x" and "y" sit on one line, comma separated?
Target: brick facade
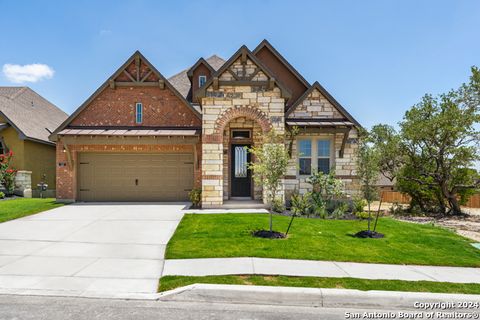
{"x": 116, "y": 107}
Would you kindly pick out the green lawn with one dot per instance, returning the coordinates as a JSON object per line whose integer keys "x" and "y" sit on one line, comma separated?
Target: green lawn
{"x": 21, "y": 207}
{"x": 228, "y": 235}
{"x": 172, "y": 282}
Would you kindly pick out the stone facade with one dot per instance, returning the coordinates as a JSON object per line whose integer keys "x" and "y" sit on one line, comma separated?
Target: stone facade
{"x": 23, "y": 184}
{"x": 315, "y": 105}
{"x": 345, "y": 168}
{"x": 225, "y": 107}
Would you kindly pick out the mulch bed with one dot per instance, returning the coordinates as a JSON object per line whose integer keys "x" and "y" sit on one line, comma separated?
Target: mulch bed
{"x": 268, "y": 234}
{"x": 369, "y": 234}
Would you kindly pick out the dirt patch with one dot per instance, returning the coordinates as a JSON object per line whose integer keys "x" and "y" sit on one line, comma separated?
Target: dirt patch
{"x": 467, "y": 225}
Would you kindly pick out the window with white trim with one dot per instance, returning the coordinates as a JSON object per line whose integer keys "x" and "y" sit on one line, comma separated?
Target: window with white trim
{"x": 138, "y": 113}
{"x": 323, "y": 156}
{"x": 201, "y": 80}
{"x": 305, "y": 157}
{"x": 314, "y": 154}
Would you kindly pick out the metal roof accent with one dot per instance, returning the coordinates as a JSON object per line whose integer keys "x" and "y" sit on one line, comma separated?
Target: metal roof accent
{"x": 134, "y": 132}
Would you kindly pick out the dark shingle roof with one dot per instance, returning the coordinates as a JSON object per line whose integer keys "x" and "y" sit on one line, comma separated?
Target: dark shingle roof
{"x": 31, "y": 114}
{"x": 181, "y": 82}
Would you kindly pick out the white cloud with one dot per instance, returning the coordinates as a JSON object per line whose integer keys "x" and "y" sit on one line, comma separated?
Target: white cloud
{"x": 27, "y": 73}
{"x": 105, "y": 32}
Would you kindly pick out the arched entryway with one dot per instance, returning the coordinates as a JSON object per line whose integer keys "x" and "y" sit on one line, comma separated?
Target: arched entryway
{"x": 240, "y": 128}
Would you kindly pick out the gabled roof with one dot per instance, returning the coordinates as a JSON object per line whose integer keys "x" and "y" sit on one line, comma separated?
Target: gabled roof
{"x": 199, "y": 62}
{"x": 30, "y": 114}
{"x": 266, "y": 44}
{"x": 107, "y": 83}
{"x": 181, "y": 81}
{"x": 328, "y": 96}
{"x": 243, "y": 50}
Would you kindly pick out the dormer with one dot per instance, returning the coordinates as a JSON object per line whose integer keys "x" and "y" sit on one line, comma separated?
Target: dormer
{"x": 200, "y": 73}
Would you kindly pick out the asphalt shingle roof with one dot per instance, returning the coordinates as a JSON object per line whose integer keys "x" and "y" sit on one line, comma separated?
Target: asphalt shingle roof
{"x": 31, "y": 114}
{"x": 181, "y": 82}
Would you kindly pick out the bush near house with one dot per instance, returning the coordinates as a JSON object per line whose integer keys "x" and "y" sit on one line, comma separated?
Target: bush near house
{"x": 7, "y": 173}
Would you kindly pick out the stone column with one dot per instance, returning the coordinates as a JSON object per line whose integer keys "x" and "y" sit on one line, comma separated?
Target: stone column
{"x": 212, "y": 175}
{"x": 23, "y": 184}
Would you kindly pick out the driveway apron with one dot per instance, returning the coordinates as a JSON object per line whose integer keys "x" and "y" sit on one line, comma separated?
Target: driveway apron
{"x": 94, "y": 249}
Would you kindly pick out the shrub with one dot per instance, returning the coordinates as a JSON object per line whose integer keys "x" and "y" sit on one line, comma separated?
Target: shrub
{"x": 195, "y": 196}
{"x": 340, "y": 210}
{"x": 2, "y": 195}
{"x": 365, "y": 215}
{"x": 358, "y": 204}
{"x": 318, "y": 205}
{"x": 9, "y": 180}
{"x": 300, "y": 203}
{"x": 278, "y": 205}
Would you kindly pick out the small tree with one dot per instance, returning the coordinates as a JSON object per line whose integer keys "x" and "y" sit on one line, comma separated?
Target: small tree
{"x": 269, "y": 166}
{"x": 367, "y": 171}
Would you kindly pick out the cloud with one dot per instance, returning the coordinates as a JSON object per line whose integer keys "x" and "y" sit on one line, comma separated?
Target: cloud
{"x": 27, "y": 73}
{"x": 105, "y": 32}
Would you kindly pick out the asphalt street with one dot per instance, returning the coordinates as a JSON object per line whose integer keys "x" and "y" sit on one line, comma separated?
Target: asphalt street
{"x": 58, "y": 308}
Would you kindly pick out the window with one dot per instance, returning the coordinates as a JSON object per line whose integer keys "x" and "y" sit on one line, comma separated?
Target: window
{"x": 241, "y": 134}
{"x": 317, "y": 149}
{"x": 202, "y": 80}
{"x": 323, "y": 156}
{"x": 305, "y": 156}
{"x": 138, "y": 113}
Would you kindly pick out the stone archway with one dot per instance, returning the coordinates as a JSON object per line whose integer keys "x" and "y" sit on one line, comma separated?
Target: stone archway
{"x": 249, "y": 112}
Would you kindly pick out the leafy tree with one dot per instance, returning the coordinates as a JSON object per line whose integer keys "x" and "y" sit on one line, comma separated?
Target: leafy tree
{"x": 368, "y": 170}
{"x": 440, "y": 140}
{"x": 270, "y": 166}
{"x": 387, "y": 142}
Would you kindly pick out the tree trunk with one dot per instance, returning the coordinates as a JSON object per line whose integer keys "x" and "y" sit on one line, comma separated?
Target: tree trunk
{"x": 378, "y": 212}
{"x": 369, "y": 215}
{"x": 454, "y": 205}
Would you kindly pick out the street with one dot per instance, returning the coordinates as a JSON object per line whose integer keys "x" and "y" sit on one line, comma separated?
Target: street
{"x": 58, "y": 308}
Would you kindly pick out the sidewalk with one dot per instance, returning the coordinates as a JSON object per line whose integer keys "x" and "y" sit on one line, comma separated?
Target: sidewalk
{"x": 287, "y": 267}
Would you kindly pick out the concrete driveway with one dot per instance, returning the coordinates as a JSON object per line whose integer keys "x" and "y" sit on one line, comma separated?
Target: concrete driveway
{"x": 95, "y": 249}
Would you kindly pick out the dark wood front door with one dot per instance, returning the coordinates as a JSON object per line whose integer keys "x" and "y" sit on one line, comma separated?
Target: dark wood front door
{"x": 241, "y": 176}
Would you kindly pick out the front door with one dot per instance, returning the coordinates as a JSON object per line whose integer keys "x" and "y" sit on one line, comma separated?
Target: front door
{"x": 241, "y": 176}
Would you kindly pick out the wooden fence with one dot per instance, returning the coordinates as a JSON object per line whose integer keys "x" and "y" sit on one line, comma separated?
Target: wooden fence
{"x": 395, "y": 196}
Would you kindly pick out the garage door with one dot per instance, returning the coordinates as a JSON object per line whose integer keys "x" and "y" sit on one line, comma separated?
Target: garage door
{"x": 134, "y": 177}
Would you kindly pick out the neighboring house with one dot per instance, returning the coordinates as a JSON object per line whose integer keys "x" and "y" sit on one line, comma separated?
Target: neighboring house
{"x": 26, "y": 121}
{"x": 142, "y": 137}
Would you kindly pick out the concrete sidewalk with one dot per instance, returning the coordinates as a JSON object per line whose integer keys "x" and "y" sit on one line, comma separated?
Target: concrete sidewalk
{"x": 265, "y": 266}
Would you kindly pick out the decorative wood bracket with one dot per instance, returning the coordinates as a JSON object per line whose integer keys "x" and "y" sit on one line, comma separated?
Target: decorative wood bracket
{"x": 161, "y": 84}
{"x": 344, "y": 142}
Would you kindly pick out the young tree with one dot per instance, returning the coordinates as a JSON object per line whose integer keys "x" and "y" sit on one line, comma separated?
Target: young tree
{"x": 269, "y": 166}
{"x": 367, "y": 171}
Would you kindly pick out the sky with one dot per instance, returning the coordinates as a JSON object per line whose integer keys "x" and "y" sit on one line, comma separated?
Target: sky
{"x": 377, "y": 58}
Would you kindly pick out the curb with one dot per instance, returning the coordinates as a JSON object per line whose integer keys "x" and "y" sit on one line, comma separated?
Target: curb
{"x": 311, "y": 297}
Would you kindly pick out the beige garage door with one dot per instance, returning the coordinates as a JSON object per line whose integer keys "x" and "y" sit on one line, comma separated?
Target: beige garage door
{"x": 134, "y": 177}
